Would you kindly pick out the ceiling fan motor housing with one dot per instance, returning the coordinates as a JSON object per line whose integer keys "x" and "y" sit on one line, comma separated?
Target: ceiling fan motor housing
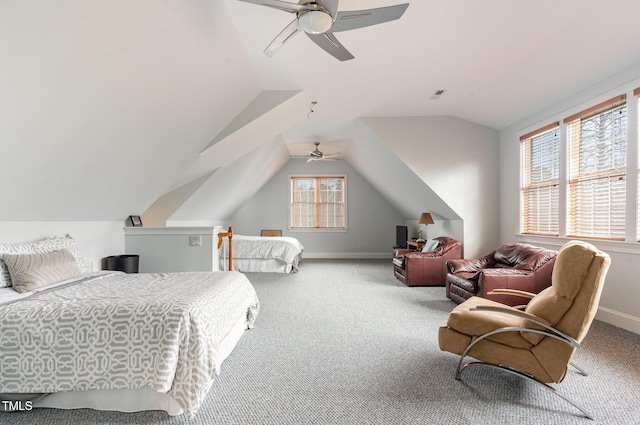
{"x": 316, "y": 21}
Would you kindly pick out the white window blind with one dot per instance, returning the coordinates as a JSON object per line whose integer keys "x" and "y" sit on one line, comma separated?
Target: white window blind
{"x": 597, "y": 173}
{"x": 540, "y": 166}
{"x": 317, "y": 202}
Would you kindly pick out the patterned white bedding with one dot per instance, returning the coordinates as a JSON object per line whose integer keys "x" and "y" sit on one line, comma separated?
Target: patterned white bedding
{"x": 124, "y": 331}
{"x": 284, "y": 249}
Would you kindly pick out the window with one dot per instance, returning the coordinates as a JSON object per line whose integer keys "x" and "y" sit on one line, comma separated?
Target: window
{"x": 540, "y": 165}
{"x": 597, "y": 171}
{"x": 318, "y": 202}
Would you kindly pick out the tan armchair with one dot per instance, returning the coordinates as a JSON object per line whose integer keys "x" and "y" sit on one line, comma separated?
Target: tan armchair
{"x": 538, "y": 342}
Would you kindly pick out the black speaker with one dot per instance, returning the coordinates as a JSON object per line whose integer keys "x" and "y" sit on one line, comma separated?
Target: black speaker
{"x": 402, "y": 233}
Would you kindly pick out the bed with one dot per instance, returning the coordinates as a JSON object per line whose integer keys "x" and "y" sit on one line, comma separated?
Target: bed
{"x": 116, "y": 341}
{"x": 275, "y": 254}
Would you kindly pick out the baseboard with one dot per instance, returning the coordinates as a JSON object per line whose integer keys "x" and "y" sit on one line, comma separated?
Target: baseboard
{"x": 618, "y": 319}
{"x": 349, "y": 255}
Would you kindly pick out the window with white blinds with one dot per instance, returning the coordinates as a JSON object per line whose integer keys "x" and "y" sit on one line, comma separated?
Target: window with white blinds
{"x": 597, "y": 171}
{"x": 318, "y": 202}
{"x": 539, "y": 196}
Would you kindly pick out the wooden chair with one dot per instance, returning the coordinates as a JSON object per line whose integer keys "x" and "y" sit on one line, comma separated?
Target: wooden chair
{"x": 271, "y": 233}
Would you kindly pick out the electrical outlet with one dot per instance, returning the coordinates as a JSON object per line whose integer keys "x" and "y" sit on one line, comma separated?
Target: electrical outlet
{"x": 195, "y": 240}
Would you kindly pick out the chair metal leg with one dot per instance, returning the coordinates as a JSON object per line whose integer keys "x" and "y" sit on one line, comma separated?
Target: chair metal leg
{"x": 582, "y": 372}
{"x": 526, "y": 376}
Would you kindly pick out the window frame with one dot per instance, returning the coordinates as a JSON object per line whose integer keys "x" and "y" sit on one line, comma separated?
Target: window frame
{"x": 631, "y": 243}
{"x": 318, "y": 177}
{"x": 528, "y": 184}
{"x": 577, "y": 178}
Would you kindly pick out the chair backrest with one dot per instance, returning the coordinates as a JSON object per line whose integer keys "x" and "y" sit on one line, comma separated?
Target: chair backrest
{"x": 271, "y": 233}
{"x": 571, "y": 302}
{"x": 523, "y": 256}
{"x": 446, "y": 244}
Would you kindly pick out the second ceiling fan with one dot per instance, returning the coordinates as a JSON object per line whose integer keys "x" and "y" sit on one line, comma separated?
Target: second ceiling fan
{"x": 318, "y": 155}
{"x": 320, "y": 19}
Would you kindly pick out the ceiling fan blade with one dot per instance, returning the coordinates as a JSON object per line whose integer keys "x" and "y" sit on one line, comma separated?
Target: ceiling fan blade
{"x": 345, "y": 21}
{"x": 331, "y": 155}
{"x": 280, "y": 5}
{"x": 285, "y": 35}
{"x": 331, "y": 45}
{"x": 330, "y": 5}
{"x": 311, "y": 159}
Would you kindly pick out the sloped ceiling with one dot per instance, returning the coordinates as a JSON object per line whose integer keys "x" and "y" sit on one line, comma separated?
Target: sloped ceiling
{"x": 266, "y": 117}
{"x": 111, "y": 108}
{"x": 226, "y": 190}
{"x": 104, "y": 105}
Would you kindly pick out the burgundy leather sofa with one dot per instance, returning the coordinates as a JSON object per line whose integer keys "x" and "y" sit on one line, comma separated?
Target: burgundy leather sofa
{"x": 416, "y": 268}
{"x": 514, "y": 266}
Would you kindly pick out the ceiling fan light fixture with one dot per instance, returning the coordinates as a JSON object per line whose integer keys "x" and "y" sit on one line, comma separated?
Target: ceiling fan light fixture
{"x": 315, "y": 21}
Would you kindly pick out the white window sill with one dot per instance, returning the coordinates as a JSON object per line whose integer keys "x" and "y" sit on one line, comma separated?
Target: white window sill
{"x": 315, "y": 230}
{"x": 612, "y": 246}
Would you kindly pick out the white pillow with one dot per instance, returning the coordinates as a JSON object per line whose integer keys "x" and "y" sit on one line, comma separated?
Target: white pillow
{"x": 55, "y": 243}
{"x": 430, "y": 245}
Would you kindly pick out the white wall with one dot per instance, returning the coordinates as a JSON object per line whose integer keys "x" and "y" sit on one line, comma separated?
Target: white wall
{"x": 458, "y": 160}
{"x": 95, "y": 239}
{"x": 371, "y": 219}
{"x": 105, "y": 105}
{"x": 619, "y": 304}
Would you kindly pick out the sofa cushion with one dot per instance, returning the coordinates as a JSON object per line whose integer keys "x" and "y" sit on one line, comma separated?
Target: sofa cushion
{"x": 522, "y": 256}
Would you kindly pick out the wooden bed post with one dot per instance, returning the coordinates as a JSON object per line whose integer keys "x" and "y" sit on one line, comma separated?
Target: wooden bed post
{"x": 229, "y": 234}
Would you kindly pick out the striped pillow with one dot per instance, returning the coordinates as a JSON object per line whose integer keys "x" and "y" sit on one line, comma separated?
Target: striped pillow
{"x": 33, "y": 271}
{"x": 55, "y": 243}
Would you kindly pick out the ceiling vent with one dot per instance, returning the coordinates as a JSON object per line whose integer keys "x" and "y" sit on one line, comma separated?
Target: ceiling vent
{"x": 437, "y": 94}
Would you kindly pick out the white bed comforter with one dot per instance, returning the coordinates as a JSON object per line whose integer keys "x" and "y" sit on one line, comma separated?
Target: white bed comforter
{"x": 124, "y": 331}
{"x": 281, "y": 248}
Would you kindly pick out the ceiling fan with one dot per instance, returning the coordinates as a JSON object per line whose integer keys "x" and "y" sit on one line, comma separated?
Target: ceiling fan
{"x": 318, "y": 155}
{"x": 319, "y": 19}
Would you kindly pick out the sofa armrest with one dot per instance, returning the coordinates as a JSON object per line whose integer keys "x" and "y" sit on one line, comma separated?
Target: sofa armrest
{"x": 464, "y": 265}
{"x": 401, "y": 252}
{"x": 425, "y": 268}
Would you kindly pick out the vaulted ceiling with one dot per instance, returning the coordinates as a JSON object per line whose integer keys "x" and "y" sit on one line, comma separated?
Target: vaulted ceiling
{"x": 497, "y": 60}
{"x": 111, "y": 108}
